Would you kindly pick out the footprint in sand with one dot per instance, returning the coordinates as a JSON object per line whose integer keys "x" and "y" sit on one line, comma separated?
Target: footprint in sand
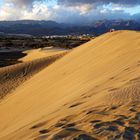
{"x": 75, "y": 105}
{"x": 90, "y": 111}
{"x": 123, "y": 117}
{"x": 44, "y": 137}
{"x": 132, "y": 109}
{"x": 101, "y": 124}
{"x": 138, "y": 135}
{"x": 129, "y": 133}
{"x": 38, "y": 125}
{"x": 43, "y": 131}
{"x": 105, "y": 128}
{"x": 137, "y": 116}
{"x": 135, "y": 80}
{"x": 59, "y": 124}
{"x": 65, "y": 133}
{"x": 118, "y": 122}
{"x": 114, "y": 107}
{"x": 127, "y": 69}
{"x": 69, "y": 125}
{"x": 113, "y": 89}
{"x": 84, "y": 137}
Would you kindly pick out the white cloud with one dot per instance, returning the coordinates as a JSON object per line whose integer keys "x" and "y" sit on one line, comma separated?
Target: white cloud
{"x": 8, "y": 11}
{"x": 22, "y": 3}
{"x": 83, "y": 9}
{"x": 39, "y": 11}
{"x": 79, "y": 11}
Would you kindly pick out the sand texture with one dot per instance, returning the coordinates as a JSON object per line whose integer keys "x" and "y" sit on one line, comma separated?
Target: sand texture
{"x": 13, "y": 76}
{"x": 91, "y": 93}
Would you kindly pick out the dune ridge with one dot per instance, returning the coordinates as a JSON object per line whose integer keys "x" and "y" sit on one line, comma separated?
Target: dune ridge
{"x": 13, "y": 76}
{"x": 41, "y": 53}
{"x": 92, "y": 93}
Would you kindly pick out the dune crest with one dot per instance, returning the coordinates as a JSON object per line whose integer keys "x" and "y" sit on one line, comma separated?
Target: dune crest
{"x": 40, "y": 53}
{"x": 91, "y": 93}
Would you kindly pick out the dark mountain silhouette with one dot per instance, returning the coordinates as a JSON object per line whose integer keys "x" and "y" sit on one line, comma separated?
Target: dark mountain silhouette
{"x": 41, "y": 28}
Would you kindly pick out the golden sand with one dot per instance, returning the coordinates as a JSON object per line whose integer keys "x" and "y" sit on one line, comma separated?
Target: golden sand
{"x": 92, "y": 92}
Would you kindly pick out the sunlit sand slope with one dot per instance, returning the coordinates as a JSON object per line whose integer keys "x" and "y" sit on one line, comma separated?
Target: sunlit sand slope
{"x": 13, "y": 76}
{"x": 40, "y": 53}
{"x": 91, "y": 93}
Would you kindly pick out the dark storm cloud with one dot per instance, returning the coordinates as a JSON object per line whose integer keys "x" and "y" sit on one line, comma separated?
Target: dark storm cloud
{"x": 100, "y": 2}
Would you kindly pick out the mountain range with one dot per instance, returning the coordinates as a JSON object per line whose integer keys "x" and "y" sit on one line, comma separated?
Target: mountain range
{"x": 46, "y": 28}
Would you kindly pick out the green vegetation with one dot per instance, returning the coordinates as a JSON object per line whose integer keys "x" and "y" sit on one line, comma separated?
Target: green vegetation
{"x": 41, "y": 42}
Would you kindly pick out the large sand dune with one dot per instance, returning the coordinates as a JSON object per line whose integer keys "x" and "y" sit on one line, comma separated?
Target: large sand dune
{"x": 91, "y": 93}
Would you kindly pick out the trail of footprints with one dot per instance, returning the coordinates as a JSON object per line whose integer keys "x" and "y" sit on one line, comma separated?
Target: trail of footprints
{"x": 121, "y": 128}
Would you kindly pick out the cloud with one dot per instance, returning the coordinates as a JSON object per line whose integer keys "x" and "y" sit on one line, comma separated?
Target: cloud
{"x": 69, "y": 15}
{"x": 7, "y": 11}
{"x": 30, "y": 9}
{"x": 22, "y": 3}
{"x": 71, "y": 11}
{"x": 85, "y": 6}
{"x": 99, "y": 2}
{"x": 83, "y": 9}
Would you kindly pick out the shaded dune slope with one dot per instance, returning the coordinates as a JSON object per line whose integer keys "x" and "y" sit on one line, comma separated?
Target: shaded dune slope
{"x": 91, "y": 93}
{"x": 13, "y": 76}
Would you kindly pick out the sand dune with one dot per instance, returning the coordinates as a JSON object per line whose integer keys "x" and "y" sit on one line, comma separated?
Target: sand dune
{"x": 13, "y": 76}
{"x": 91, "y": 93}
{"x": 40, "y": 53}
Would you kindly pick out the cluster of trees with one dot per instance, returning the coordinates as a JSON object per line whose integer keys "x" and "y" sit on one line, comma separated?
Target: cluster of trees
{"x": 38, "y": 42}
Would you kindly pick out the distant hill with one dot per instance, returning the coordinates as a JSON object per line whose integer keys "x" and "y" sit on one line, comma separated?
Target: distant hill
{"x": 41, "y": 28}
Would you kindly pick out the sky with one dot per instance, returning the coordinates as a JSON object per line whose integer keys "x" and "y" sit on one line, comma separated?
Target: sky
{"x": 69, "y": 11}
